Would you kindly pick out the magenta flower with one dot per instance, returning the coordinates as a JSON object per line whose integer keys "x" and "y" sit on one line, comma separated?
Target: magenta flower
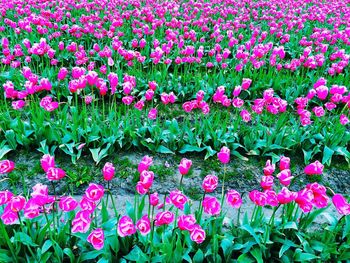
{"x": 224, "y": 155}
{"x": 210, "y": 182}
{"x": 6, "y": 166}
{"x": 96, "y": 238}
{"x": 108, "y": 171}
{"x": 185, "y": 166}
{"x": 314, "y": 168}
{"x": 186, "y": 222}
{"x": 144, "y": 225}
{"x": 125, "y": 226}
{"x": 197, "y": 234}
{"x": 233, "y": 198}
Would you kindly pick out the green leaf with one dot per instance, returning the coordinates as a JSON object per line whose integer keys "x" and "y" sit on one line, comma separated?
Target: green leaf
{"x": 244, "y": 258}
{"x": 190, "y": 148}
{"x": 304, "y": 257}
{"x": 4, "y": 150}
{"x": 239, "y": 156}
{"x": 199, "y": 256}
{"x": 327, "y": 155}
{"x": 256, "y": 253}
{"x": 46, "y": 246}
{"x": 163, "y": 149}
{"x": 251, "y": 231}
{"x": 136, "y": 254}
{"x": 287, "y": 244}
{"x": 69, "y": 253}
{"x": 23, "y": 238}
{"x": 91, "y": 255}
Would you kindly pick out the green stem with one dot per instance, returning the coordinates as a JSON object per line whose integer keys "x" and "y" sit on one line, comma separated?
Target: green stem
{"x": 223, "y": 188}
{"x": 7, "y": 239}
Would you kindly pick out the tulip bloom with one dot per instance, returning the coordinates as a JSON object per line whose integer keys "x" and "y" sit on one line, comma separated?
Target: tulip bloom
{"x": 108, "y": 171}
{"x": 164, "y": 218}
{"x": 210, "y": 182}
{"x": 341, "y": 204}
{"x": 224, "y": 155}
{"x": 67, "y": 203}
{"x": 144, "y": 225}
{"x": 96, "y": 238}
{"x": 185, "y": 166}
{"x": 211, "y": 205}
{"x": 186, "y": 222}
{"x": 233, "y": 198}
{"x": 6, "y": 166}
{"x": 197, "y": 234}
{"x": 94, "y": 192}
{"x": 314, "y": 168}
{"x": 125, "y": 227}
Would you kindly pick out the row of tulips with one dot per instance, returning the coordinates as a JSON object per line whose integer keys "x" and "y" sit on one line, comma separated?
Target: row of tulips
{"x": 176, "y": 228}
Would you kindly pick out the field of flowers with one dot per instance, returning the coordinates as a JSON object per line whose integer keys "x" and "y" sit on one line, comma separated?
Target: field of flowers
{"x": 222, "y": 80}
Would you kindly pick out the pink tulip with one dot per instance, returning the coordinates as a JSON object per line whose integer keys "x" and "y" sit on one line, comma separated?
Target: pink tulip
{"x": 322, "y": 92}
{"x": 87, "y": 204}
{"x": 154, "y": 199}
{"x": 54, "y": 174}
{"x": 304, "y": 200}
{"x": 9, "y": 217}
{"x": 18, "y": 104}
{"x": 269, "y": 168}
{"x": 67, "y": 203}
{"x": 144, "y": 225}
{"x": 149, "y": 95}
{"x": 96, "y": 238}
{"x": 285, "y": 177}
{"x": 319, "y": 111}
{"x": 224, "y": 155}
{"x": 284, "y": 163}
{"x": 152, "y": 114}
{"x": 245, "y": 116}
{"x": 47, "y": 161}
{"x": 41, "y": 196}
{"x": 81, "y": 222}
{"x": 341, "y": 204}
{"x": 258, "y": 198}
{"x": 164, "y": 218}
{"x": 285, "y": 196}
{"x": 6, "y": 166}
{"x": 197, "y": 234}
{"x": 234, "y": 199}
{"x": 145, "y": 163}
{"x": 344, "y": 119}
{"x": 178, "y": 199}
{"x": 210, "y": 182}
{"x": 17, "y": 203}
{"x": 267, "y": 182}
{"x": 246, "y": 83}
{"x": 146, "y": 178}
{"x": 125, "y": 227}
{"x": 271, "y": 198}
{"x": 5, "y": 197}
{"x": 108, "y": 171}
{"x": 211, "y": 205}
{"x": 185, "y": 166}
{"x": 186, "y": 222}
{"x": 314, "y": 168}
{"x": 94, "y": 192}
{"x": 31, "y": 209}
{"x": 141, "y": 189}
{"x": 237, "y": 90}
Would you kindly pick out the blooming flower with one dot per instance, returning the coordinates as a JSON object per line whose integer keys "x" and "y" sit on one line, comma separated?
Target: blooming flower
{"x": 96, "y": 238}
{"x": 224, "y": 155}
{"x": 125, "y": 226}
